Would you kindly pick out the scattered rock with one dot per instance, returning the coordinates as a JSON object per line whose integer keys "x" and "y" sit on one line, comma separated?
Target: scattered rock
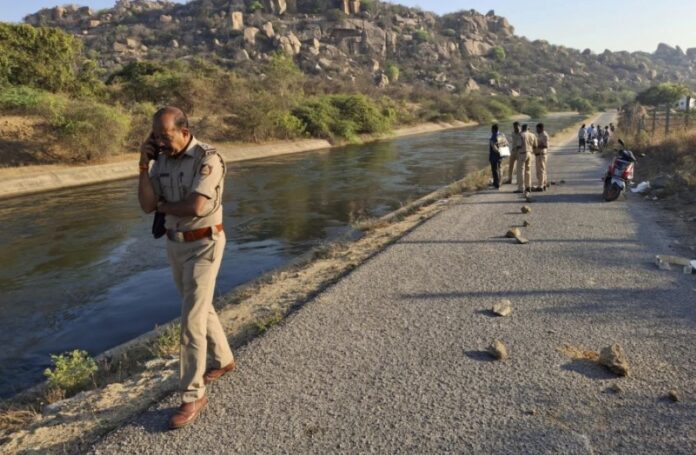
{"x": 250, "y": 35}
{"x": 498, "y": 350}
{"x": 614, "y": 358}
{"x": 268, "y": 29}
{"x": 674, "y": 396}
{"x": 503, "y": 308}
{"x": 526, "y": 209}
{"x": 528, "y": 198}
{"x": 513, "y": 233}
{"x": 562, "y": 182}
{"x": 526, "y": 223}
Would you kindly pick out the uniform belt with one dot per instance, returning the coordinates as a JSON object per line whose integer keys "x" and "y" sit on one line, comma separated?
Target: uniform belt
{"x": 192, "y": 236}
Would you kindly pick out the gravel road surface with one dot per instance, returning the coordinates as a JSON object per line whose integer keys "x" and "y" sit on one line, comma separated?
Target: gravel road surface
{"x": 390, "y": 360}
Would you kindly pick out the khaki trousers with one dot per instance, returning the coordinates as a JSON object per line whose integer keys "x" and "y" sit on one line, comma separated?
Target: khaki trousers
{"x": 524, "y": 171}
{"x": 511, "y": 164}
{"x": 195, "y": 266}
{"x": 540, "y": 161}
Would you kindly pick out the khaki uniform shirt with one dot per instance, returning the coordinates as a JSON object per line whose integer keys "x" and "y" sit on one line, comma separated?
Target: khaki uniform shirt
{"x": 199, "y": 169}
{"x": 517, "y": 142}
{"x": 529, "y": 142}
{"x": 542, "y": 143}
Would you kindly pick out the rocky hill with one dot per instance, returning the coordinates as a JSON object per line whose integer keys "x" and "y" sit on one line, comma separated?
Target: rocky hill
{"x": 465, "y": 51}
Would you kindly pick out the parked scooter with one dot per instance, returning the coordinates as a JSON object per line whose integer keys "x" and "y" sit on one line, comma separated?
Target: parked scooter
{"x": 619, "y": 174}
{"x": 594, "y": 144}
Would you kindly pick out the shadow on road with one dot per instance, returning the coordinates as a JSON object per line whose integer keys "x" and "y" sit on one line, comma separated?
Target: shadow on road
{"x": 588, "y": 369}
{"x": 480, "y": 356}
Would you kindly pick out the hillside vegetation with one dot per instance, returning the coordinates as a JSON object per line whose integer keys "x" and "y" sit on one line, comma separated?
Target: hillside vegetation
{"x": 284, "y": 69}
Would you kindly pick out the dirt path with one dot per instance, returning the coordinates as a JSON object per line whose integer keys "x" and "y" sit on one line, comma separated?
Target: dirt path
{"x": 390, "y": 358}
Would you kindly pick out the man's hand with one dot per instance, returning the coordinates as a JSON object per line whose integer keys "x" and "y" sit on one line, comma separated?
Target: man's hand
{"x": 148, "y": 150}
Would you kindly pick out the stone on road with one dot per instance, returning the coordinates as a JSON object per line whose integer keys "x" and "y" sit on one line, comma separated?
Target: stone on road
{"x": 388, "y": 360}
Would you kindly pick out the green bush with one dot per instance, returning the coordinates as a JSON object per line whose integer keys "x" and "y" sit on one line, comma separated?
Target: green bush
{"x": 21, "y": 100}
{"x": 90, "y": 129}
{"x": 140, "y": 124}
{"x": 478, "y": 112}
{"x": 534, "y": 109}
{"x": 71, "y": 371}
{"x": 254, "y": 6}
{"x": 392, "y": 72}
{"x": 421, "y": 36}
{"x": 499, "y": 109}
{"x": 582, "y": 105}
{"x": 344, "y": 116}
{"x": 497, "y": 54}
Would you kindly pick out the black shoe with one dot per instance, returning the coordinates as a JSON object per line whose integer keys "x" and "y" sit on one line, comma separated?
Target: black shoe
{"x": 527, "y": 190}
{"x": 518, "y": 191}
{"x": 537, "y": 189}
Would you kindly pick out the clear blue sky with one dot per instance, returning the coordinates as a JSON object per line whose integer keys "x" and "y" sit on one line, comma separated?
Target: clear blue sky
{"x": 598, "y": 24}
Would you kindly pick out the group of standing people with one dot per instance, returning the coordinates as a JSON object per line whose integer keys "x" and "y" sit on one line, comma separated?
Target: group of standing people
{"x": 589, "y": 135}
{"x": 524, "y": 145}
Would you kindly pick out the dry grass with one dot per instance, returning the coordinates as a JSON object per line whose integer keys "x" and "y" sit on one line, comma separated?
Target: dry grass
{"x": 13, "y": 419}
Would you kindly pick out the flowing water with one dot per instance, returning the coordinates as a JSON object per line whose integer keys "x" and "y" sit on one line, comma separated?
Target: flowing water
{"x": 79, "y": 268}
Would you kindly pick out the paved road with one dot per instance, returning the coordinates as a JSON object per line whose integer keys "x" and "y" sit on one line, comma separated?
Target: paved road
{"x": 389, "y": 361}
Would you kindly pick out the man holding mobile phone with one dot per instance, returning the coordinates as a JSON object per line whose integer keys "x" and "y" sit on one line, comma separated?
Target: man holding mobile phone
{"x": 185, "y": 183}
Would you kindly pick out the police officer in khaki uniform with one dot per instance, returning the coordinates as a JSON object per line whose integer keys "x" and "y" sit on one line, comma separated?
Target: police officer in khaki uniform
{"x": 540, "y": 157}
{"x": 524, "y": 161}
{"x": 515, "y": 151}
{"x": 185, "y": 183}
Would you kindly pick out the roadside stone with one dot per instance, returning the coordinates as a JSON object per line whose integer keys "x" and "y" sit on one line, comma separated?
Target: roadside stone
{"x": 498, "y": 350}
{"x": 614, "y": 358}
{"x": 526, "y": 223}
{"x": 513, "y": 233}
{"x": 674, "y": 396}
{"x": 503, "y": 308}
{"x": 526, "y": 209}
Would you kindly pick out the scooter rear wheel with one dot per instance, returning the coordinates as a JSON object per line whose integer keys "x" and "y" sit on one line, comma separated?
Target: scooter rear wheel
{"x": 611, "y": 192}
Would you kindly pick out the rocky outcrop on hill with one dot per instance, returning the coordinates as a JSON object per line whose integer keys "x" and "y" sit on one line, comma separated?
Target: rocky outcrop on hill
{"x": 466, "y": 51}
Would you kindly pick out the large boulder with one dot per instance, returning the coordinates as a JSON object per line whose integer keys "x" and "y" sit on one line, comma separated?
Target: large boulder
{"x": 276, "y": 6}
{"x": 471, "y": 86}
{"x": 237, "y": 20}
{"x": 474, "y": 48}
{"x": 268, "y": 30}
{"x": 250, "y": 35}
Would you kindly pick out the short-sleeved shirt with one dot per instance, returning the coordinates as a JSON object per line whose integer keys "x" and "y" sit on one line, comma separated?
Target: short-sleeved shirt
{"x": 582, "y": 134}
{"x": 199, "y": 169}
{"x": 529, "y": 142}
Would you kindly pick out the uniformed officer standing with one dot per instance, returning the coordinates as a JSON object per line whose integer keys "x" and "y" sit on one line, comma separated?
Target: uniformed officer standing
{"x": 514, "y": 153}
{"x": 186, "y": 184}
{"x": 524, "y": 169}
{"x": 540, "y": 157}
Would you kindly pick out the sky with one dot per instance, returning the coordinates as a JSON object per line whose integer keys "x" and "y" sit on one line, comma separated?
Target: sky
{"x": 630, "y": 25}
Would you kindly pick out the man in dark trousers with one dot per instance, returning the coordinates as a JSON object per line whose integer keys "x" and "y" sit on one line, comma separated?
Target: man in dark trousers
{"x": 496, "y": 141}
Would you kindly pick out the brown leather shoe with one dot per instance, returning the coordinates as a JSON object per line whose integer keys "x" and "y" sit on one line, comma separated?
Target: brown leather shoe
{"x": 187, "y": 413}
{"x": 217, "y": 373}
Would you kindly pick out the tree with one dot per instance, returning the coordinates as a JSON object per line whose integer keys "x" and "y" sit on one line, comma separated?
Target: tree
{"x": 662, "y": 94}
{"x": 44, "y": 58}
